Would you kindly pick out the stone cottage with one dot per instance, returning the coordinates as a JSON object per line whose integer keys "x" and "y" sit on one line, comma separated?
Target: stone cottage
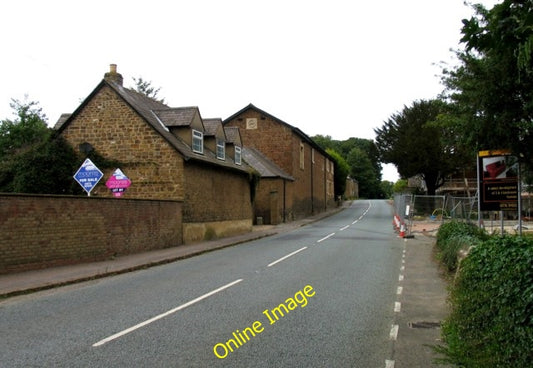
{"x": 167, "y": 153}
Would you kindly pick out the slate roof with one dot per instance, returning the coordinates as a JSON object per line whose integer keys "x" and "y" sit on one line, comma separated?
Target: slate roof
{"x": 157, "y": 115}
{"x": 177, "y": 116}
{"x": 61, "y": 120}
{"x": 297, "y": 131}
{"x": 263, "y": 165}
{"x": 232, "y": 134}
{"x": 211, "y": 126}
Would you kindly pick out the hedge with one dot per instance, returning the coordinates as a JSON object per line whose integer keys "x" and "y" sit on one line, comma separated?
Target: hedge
{"x": 491, "y": 320}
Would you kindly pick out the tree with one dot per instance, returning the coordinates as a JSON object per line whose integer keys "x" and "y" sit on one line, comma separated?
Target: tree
{"x": 387, "y": 188}
{"x": 342, "y": 169}
{"x": 371, "y": 154}
{"x": 401, "y": 186}
{"x": 362, "y": 170}
{"x": 32, "y": 158}
{"x": 412, "y": 141}
{"x": 492, "y": 88}
{"x": 145, "y": 88}
{"x": 28, "y": 128}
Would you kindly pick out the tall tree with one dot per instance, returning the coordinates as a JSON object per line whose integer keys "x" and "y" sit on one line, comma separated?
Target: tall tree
{"x": 32, "y": 159}
{"x": 371, "y": 161}
{"x": 145, "y": 87}
{"x": 492, "y": 88}
{"x": 362, "y": 170}
{"x": 412, "y": 141}
{"x": 29, "y": 127}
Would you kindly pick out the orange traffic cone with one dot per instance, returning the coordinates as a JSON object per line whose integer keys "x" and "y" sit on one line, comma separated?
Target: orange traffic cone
{"x": 402, "y": 231}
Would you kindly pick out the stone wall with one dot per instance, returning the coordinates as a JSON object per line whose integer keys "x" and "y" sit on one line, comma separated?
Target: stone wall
{"x": 217, "y": 203}
{"x": 40, "y": 231}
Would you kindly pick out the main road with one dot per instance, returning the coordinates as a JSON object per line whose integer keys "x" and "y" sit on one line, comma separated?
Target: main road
{"x": 322, "y": 295}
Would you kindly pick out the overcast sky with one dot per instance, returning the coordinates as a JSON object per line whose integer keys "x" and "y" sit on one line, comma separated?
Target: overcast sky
{"x": 337, "y": 68}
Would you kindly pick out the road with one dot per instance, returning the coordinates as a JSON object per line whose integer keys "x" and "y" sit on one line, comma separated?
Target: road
{"x": 319, "y": 296}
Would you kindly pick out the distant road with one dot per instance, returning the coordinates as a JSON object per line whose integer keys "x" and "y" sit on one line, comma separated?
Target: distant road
{"x": 319, "y": 296}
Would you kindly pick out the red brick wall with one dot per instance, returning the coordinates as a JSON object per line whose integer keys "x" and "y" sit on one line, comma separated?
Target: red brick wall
{"x": 43, "y": 231}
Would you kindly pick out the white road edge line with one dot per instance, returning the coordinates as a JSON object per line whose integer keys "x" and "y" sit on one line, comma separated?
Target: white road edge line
{"x": 287, "y": 256}
{"x": 153, "y": 319}
{"x": 344, "y": 228}
{"x": 326, "y": 237}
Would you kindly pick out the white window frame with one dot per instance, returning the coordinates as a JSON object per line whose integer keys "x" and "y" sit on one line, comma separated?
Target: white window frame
{"x": 197, "y": 141}
{"x": 221, "y": 149}
{"x": 238, "y": 155}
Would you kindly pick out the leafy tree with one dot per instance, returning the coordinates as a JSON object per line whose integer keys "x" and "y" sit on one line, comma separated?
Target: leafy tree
{"x": 492, "y": 88}
{"x": 342, "y": 169}
{"x": 386, "y": 188}
{"x": 371, "y": 157}
{"x": 363, "y": 171}
{"x": 28, "y": 128}
{"x": 146, "y": 88}
{"x": 401, "y": 186}
{"x": 413, "y": 142}
{"x": 32, "y": 159}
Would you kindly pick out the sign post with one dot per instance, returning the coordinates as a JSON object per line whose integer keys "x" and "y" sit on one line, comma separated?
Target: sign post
{"x": 88, "y": 175}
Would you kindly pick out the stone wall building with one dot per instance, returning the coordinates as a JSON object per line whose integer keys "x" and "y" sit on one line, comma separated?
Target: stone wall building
{"x": 302, "y": 177}
{"x": 168, "y": 154}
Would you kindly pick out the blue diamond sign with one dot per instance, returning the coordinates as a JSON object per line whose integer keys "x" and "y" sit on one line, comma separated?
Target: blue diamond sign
{"x": 88, "y": 175}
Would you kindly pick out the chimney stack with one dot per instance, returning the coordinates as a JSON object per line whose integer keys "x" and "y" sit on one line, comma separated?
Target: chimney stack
{"x": 113, "y": 76}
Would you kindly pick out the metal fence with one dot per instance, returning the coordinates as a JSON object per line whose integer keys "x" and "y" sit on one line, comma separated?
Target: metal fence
{"x": 412, "y": 211}
{"x": 423, "y": 212}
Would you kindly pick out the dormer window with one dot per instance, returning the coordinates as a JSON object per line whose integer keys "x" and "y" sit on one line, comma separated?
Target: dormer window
{"x": 221, "y": 149}
{"x": 197, "y": 141}
{"x": 238, "y": 159}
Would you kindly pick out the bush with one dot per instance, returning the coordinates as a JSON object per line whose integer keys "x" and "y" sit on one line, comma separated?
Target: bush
{"x": 491, "y": 322}
{"x": 455, "y": 236}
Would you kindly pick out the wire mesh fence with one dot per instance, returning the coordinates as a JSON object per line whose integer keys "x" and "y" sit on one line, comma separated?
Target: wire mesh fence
{"x": 414, "y": 213}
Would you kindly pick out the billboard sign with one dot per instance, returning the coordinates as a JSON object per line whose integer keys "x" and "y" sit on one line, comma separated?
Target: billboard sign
{"x": 498, "y": 181}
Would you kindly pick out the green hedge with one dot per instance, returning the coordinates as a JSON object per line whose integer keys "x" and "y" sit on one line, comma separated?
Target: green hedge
{"x": 491, "y": 322}
{"x": 455, "y": 236}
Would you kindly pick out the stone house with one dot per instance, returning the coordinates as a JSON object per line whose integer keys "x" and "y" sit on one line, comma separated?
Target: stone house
{"x": 168, "y": 154}
{"x": 299, "y": 180}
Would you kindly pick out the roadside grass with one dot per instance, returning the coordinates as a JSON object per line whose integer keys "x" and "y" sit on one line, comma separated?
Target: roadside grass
{"x": 491, "y": 298}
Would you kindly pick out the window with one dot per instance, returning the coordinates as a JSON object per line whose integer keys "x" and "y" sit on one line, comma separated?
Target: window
{"x": 238, "y": 160}
{"x": 197, "y": 141}
{"x": 302, "y": 148}
{"x": 312, "y": 155}
{"x": 221, "y": 149}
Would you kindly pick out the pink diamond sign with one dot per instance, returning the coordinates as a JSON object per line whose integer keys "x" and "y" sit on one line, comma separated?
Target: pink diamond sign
{"x": 118, "y": 183}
